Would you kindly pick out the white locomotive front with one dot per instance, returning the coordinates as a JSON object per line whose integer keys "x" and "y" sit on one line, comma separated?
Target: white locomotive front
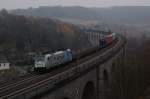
{"x": 49, "y": 61}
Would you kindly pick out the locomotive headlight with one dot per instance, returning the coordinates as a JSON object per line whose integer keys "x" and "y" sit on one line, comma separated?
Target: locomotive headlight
{"x": 42, "y": 64}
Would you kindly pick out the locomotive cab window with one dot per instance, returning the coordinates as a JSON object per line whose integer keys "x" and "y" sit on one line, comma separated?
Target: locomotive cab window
{"x": 47, "y": 58}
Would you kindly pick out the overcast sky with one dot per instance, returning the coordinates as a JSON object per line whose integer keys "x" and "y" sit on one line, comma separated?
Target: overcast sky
{"x": 13, "y": 4}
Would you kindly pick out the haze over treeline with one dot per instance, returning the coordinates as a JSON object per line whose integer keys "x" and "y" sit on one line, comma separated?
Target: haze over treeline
{"x": 118, "y": 14}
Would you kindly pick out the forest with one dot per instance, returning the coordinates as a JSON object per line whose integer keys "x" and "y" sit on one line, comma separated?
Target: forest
{"x": 20, "y": 36}
{"x": 132, "y": 78}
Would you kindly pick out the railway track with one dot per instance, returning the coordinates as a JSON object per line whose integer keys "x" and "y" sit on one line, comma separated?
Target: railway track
{"x": 8, "y": 82}
{"x": 39, "y": 79}
{"x": 5, "y": 90}
{"x": 20, "y": 84}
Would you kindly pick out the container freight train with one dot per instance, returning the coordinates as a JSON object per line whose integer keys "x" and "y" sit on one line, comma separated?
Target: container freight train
{"x": 57, "y": 59}
{"x": 107, "y": 39}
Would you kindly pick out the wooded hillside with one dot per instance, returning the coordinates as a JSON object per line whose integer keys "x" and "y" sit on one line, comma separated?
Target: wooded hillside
{"x": 20, "y": 34}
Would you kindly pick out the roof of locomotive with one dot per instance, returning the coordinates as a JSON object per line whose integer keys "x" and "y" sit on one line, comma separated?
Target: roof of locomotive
{"x": 59, "y": 52}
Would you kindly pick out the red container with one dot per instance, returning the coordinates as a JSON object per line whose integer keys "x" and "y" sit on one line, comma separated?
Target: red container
{"x": 109, "y": 39}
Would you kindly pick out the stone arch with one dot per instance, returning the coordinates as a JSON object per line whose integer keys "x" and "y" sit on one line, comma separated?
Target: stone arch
{"x": 106, "y": 78}
{"x": 89, "y": 91}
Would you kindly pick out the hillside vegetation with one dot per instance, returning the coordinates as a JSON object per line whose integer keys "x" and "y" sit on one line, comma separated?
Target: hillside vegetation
{"x": 20, "y": 35}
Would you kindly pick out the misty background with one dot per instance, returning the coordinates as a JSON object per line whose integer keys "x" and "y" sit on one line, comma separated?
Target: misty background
{"x": 14, "y": 4}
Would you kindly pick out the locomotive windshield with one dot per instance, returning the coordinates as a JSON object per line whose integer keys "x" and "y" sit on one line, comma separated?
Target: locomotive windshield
{"x": 39, "y": 58}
